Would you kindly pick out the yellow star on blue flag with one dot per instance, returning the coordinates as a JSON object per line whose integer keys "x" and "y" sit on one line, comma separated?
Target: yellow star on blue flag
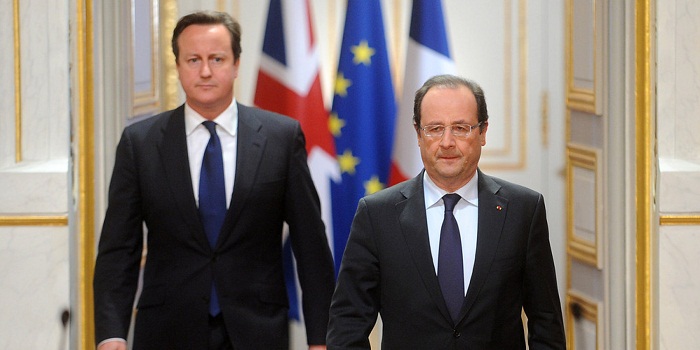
{"x": 362, "y": 53}
{"x": 373, "y": 185}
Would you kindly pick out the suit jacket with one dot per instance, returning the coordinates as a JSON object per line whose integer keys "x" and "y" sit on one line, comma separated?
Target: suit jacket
{"x": 387, "y": 267}
{"x": 151, "y": 185}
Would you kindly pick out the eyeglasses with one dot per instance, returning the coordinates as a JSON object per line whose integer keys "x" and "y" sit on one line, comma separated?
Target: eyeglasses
{"x": 458, "y": 130}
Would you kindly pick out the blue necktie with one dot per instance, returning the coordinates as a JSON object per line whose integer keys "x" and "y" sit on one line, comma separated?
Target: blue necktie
{"x": 450, "y": 269}
{"x": 212, "y": 197}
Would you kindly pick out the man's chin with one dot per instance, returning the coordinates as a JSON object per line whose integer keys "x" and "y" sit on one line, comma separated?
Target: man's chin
{"x": 447, "y": 173}
{"x": 447, "y": 163}
{"x": 204, "y": 101}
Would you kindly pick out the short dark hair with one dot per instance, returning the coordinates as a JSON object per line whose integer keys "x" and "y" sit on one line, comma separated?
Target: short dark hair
{"x": 209, "y": 17}
{"x": 450, "y": 81}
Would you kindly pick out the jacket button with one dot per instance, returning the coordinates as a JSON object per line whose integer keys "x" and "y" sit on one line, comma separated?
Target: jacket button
{"x": 214, "y": 258}
{"x": 456, "y": 334}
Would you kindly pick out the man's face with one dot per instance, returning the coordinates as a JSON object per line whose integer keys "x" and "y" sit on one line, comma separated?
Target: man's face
{"x": 450, "y": 161}
{"x": 207, "y": 68}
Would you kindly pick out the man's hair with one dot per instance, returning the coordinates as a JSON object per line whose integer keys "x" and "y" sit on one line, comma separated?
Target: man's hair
{"x": 452, "y": 82}
{"x": 205, "y": 18}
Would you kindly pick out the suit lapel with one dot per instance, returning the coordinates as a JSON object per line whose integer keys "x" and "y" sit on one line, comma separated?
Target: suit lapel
{"x": 251, "y": 144}
{"x": 413, "y": 221}
{"x": 491, "y": 220}
{"x": 173, "y": 152}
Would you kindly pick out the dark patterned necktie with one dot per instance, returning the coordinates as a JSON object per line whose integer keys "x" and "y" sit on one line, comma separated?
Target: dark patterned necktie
{"x": 212, "y": 197}
{"x": 450, "y": 269}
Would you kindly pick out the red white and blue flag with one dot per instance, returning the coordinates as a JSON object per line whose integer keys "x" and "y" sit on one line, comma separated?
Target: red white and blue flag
{"x": 289, "y": 83}
{"x": 427, "y": 54}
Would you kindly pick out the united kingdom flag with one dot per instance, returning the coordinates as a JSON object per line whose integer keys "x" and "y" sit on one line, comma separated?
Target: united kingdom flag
{"x": 289, "y": 83}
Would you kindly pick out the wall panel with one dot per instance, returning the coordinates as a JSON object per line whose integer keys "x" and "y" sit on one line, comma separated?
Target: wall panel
{"x": 678, "y": 88}
{"x": 34, "y": 173}
{"x": 587, "y": 287}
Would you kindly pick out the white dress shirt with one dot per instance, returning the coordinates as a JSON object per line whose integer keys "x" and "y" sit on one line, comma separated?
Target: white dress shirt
{"x": 198, "y": 137}
{"x": 467, "y": 214}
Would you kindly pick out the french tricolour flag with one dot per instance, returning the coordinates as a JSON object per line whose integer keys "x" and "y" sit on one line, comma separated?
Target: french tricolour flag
{"x": 289, "y": 83}
{"x": 427, "y": 54}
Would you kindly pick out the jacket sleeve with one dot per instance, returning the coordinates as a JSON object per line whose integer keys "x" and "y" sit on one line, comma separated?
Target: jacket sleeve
{"x": 120, "y": 248}
{"x": 542, "y": 305}
{"x": 309, "y": 242}
{"x": 355, "y": 303}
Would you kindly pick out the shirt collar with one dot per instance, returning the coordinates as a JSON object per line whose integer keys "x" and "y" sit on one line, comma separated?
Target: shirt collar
{"x": 227, "y": 120}
{"x": 433, "y": 193}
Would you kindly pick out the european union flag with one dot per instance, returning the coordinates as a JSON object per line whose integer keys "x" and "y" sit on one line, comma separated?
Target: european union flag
{"x": 362, "y": 116}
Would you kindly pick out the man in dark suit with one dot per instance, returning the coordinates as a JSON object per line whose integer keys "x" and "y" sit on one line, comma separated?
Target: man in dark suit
{"x": 397, "y": 259}
{"x": 205, "y": 288}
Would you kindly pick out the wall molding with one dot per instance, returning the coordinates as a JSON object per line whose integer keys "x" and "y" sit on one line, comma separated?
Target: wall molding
{"x": 670, "y": 220}
{"x": 18, "y": 82}
{"x": 145, "y": 100}
{"x": 586, "y": 309}
{"x": 644, "y": 143}
{"x": 585, "y": 92}
{"x": 584, "y": 249}
{"x": 84, "y": 171}
{"x": 490, "y": 156}
{"x": 33, "y": 220}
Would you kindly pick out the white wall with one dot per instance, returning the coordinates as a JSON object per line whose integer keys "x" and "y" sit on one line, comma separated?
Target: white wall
{"x": 678, "y": 79}
{"x": 34, "y": 173}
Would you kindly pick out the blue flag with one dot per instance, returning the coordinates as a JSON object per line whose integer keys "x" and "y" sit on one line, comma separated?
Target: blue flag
{"x": 428, "y": 26}
{"x": 362, "y": 115}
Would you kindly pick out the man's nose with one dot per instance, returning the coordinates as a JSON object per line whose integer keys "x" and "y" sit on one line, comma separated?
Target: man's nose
{"x": 205, "y": 70}
{"x": 447, "y": 138}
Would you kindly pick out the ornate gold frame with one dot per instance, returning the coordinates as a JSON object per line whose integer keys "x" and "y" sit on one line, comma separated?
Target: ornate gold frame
{"x": 584, "y": 250}
{"x": 579, "y": 97}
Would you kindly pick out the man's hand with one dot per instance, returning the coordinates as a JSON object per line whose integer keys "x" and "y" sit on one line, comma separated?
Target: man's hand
{"x": 113, "y": 345}
{"x": 312, "y": 347}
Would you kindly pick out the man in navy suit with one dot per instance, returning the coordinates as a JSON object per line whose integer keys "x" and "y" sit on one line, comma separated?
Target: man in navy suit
{"x": 156, "y": 182}
{"x": 393, "y": 262}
